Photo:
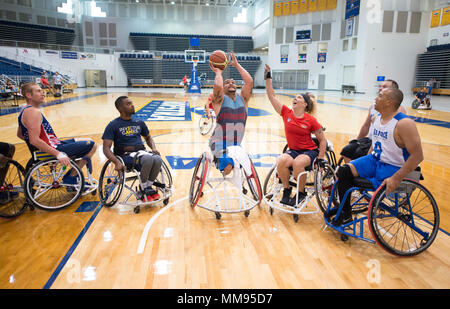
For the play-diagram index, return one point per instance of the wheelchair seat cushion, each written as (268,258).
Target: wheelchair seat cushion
(363,183)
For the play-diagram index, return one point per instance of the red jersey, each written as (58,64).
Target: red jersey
(298,130)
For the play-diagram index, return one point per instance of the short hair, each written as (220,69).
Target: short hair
(119,101)
(27,88)
(394,83)
(395,95)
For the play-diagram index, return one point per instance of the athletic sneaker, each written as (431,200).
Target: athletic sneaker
(151,194)
(301,197)
(286,196)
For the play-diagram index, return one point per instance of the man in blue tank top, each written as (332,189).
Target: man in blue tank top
(395,152)
(231,110)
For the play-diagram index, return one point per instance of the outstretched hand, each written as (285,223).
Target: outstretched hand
(234,61)
(214,69)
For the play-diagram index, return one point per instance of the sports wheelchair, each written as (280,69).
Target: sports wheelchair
(318,183)
(112,183)
(207,124)
(13,201)
(404,222)
(242,182)
(45,187)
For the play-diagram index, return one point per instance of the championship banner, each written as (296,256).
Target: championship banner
(277,10)
(303,6)
(322,5)
(294,7)
(286,8)
(445,16)
(331,4)
(435,18)
(312,5)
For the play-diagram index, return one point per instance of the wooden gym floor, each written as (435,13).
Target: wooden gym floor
(179,247)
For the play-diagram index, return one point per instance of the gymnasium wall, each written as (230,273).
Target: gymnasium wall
(379,51)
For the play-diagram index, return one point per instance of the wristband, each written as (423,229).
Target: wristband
(267,75)
(61,155)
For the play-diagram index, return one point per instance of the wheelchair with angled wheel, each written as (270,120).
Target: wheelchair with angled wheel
(319,181)
(238,193)
(112,183)
(13,201)
(206,124)
(45,185)
(404,222)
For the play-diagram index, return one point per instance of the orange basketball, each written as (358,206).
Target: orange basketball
(219,59)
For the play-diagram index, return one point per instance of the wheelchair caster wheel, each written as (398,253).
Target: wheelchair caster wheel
(166,201)
(137,209)
(201,194)
(244,191)
(30,206)
(94,193)
(271,211)
(344,237)
(218,215)
(247,213)
(296,218)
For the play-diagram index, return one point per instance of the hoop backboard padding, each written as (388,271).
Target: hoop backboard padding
(190,55)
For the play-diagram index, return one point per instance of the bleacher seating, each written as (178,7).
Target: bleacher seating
(13,68)
(15,31)
(435,63)
(180,42)
(170,69)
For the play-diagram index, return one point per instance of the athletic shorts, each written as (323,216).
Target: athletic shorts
(5,149)
(312,154)
(375,171)
(75,149)
(58,86)
(223,161)
(134,161)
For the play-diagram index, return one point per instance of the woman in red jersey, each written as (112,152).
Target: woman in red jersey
(298,127)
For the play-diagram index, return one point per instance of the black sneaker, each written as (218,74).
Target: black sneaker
(286,196)
(342,220)
(301,197)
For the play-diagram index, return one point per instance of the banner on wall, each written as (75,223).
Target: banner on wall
(286,8)
(349,27)
(277,10)
(69,55)
(294,7)
(331,4)
(284,53)
(435,18)
(86,56)
(322,5)
(352,8)
(312,5)
(301,58)
(303,6)
(322,57)
(303,36)
(445,16)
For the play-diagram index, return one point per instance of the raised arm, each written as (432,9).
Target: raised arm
(247,89)
(218,94)
(270,92)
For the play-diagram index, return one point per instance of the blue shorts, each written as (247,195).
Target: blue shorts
(374,170)
(223,161)
(75,149)
(312,154)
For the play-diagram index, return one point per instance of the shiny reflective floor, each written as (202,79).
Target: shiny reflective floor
(175,246)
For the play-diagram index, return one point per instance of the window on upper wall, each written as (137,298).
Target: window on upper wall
(354,43)
(345,45)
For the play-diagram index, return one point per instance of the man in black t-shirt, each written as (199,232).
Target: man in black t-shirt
(125,132)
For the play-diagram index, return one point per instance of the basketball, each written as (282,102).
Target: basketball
(219,59)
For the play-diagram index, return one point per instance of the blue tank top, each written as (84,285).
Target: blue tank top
(230,127)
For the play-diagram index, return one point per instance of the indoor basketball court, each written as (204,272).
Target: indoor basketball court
(209,230)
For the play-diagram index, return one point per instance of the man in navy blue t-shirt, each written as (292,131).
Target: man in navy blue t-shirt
(125,132)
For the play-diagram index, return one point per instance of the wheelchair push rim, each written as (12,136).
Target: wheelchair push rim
(205,124)
(198,179)
(45,188)
(110,184)
(406,222)
(13,200)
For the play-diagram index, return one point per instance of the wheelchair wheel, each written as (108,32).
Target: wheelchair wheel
(110,184)
(13,201)
(46,189)
(254,184)
(269,183)
(205,125)
(405,222)
(324,179)
(198,179)
(415,104)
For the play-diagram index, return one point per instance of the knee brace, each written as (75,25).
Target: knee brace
(344,173)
